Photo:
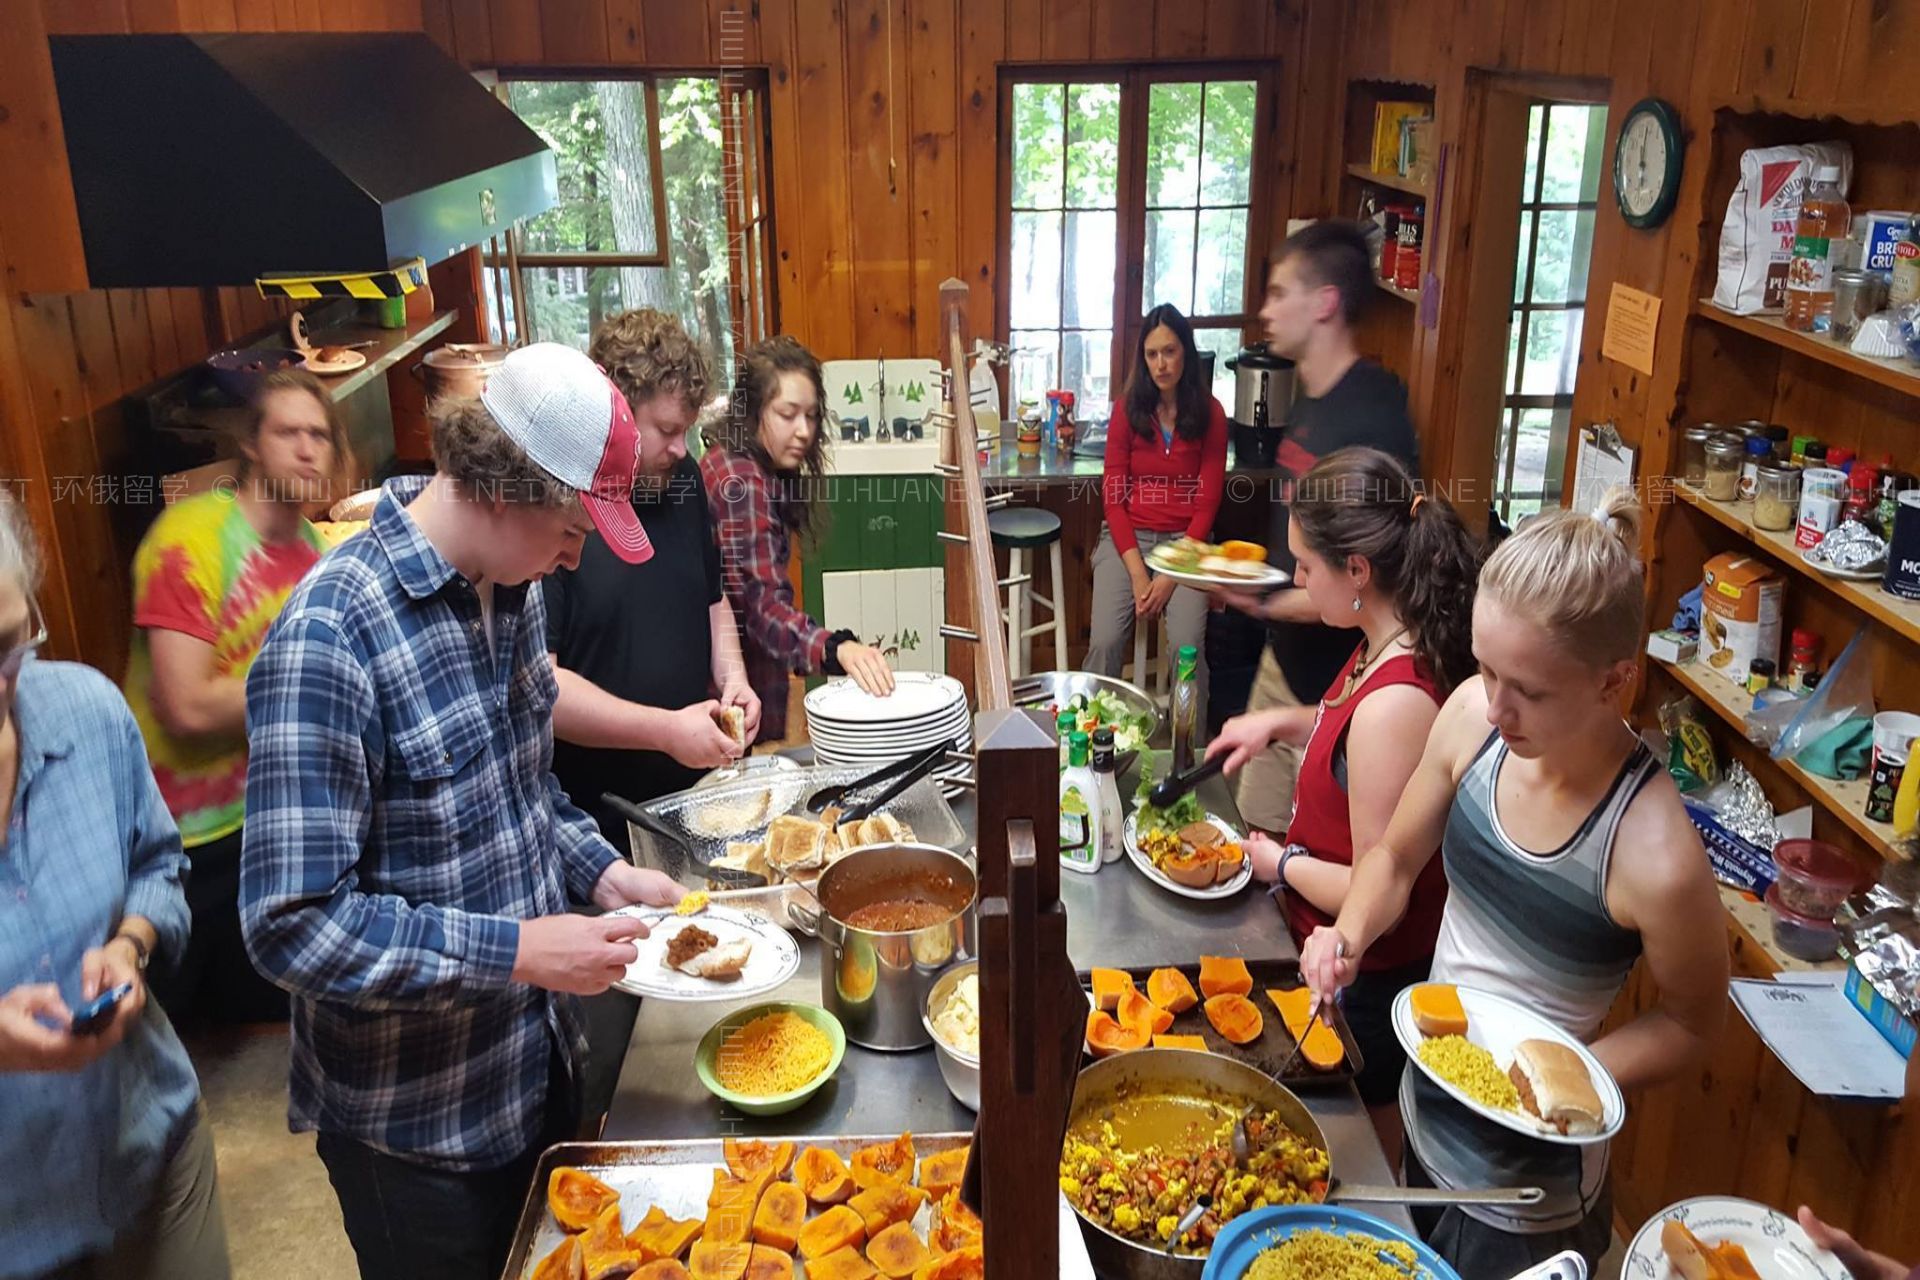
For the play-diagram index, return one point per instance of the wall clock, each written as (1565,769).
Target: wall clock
(1646,163)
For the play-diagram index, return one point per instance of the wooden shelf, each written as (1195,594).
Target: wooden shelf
(1901,616)
(1847,801)
(390,346)
(1405,295)
(1393,181)
(1755,919)
(1901,375)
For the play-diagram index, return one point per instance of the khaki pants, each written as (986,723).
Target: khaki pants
(1265,793)
(1113,620)
(181,1234)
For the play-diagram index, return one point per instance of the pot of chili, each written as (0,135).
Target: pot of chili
(890,919)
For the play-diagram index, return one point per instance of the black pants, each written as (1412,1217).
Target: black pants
(1475,1249)
(215,980)
(408,1221)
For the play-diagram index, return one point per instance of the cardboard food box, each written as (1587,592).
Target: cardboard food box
(1387,117)
(1739,614)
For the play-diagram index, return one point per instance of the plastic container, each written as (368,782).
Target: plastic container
(1814,877)
(1802,937)
(1824,218)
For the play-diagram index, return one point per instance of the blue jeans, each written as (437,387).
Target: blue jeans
(410,1221)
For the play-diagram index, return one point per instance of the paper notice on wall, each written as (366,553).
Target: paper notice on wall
(1632,317)
(1811,1026)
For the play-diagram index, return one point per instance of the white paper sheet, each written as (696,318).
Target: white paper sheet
(1808,1023)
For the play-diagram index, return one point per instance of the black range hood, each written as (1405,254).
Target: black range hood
(216,159)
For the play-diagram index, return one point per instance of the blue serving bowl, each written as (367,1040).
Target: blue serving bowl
(234,372)
(1250,1234)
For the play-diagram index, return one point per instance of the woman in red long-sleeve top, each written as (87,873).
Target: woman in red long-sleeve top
(1166,469)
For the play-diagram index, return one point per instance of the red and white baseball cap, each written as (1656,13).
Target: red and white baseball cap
(573,422)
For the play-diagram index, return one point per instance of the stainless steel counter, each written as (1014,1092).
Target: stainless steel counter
(1113,917)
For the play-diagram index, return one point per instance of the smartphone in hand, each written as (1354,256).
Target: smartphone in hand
(91,1018)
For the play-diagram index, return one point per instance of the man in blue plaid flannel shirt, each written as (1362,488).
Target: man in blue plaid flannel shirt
(409,859)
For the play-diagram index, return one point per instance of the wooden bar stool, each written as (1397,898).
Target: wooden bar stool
(1021,530)
(1145,676)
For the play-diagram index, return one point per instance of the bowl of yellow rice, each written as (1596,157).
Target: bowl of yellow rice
(1320,1242)
(770,1058)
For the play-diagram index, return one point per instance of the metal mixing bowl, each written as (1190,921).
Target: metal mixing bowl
(959,1069)
(1058,686)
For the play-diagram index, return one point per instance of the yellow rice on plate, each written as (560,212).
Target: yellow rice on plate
(773,1054)
(1322,1255)
(1471,1069)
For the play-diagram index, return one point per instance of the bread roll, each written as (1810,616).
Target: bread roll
(1554,1085)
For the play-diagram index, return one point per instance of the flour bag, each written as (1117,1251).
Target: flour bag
(1756,241)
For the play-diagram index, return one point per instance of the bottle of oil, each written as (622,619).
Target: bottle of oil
(1824,218)
(1186,708)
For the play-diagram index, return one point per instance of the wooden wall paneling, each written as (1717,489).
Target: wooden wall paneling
(982,43)
(878,179)
(26,474)
(85,17)
(573,33)
(1311,61)
(38,221)
(190,325)
(1773,45)
(472,31)
(735,32)
(1179,29)
(1237,28)
(1066,32)
(1025,30)
(132,336)
(255,15)
(90,330)
(626,31)
(1585,51)
(1892,49)
(436,19)
(210,15)
(826,274)
(1546,29)
(1827,30)
(784,159)
(154,16)
(165,333)
(1890,1217)
(934,175)
(515,25)
(1122,31)
(306,14)
(677,30)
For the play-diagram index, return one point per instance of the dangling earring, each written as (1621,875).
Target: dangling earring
(1356,604)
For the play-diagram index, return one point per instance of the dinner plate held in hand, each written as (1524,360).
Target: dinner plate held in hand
(1775,1244)
(1497,1024)
(774,959)
(1267,577)
(1129,839)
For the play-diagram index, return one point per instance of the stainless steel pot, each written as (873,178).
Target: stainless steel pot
(876,983)
(1237,1086)
(1262,387)
(458,370)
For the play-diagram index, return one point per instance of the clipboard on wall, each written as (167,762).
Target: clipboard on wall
(1602,462)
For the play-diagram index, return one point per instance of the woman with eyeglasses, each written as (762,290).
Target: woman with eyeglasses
(103,1110)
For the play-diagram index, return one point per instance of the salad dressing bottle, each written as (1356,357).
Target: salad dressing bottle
(1186,708)
(1079,812)
(1113,814)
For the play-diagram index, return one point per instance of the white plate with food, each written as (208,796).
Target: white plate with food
(331,361)
(1671,1243)
(1230,565)
(1564,1079)
(1831,570)
(1192,861)
(732,956)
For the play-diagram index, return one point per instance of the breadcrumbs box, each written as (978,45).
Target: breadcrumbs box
(1739,614)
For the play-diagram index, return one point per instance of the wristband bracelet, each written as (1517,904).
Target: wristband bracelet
(1291,852)
(141,956)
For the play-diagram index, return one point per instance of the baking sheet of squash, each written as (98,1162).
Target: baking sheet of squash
(1269,1050)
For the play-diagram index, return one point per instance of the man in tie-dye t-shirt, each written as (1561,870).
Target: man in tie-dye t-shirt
(210,577)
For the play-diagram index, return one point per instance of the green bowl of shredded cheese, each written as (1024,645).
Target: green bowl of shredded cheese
(768,1059)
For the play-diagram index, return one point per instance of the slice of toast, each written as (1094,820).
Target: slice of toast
(795,843)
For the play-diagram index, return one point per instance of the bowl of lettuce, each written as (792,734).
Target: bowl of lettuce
(1101,701)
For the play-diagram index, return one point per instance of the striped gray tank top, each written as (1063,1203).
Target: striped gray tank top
(1535,929)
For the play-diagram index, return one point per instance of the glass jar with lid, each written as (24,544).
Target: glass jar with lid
(1759,450)
(1693,454)
(1725,453)
(1776,495)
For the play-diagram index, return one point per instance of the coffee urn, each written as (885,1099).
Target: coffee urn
(1262,396)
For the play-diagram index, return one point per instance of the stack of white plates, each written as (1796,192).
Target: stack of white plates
(851,727)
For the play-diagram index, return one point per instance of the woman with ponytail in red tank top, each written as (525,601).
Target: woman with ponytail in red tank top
(1377,556)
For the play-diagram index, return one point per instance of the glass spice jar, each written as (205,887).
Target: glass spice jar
(1776,496)
(1759,676)
(1693,454)
(1724,456)
(1803,659)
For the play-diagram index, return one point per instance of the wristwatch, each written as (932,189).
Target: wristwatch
(1287,855)
(140,953)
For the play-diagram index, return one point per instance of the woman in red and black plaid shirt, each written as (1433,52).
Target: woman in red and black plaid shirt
(764,482)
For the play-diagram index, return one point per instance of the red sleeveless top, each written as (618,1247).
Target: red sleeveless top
(1320,821)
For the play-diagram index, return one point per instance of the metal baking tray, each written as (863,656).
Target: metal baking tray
(1269,1052)
(678,1176)
(684,832)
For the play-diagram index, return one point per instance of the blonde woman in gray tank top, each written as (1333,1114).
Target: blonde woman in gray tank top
(1569,856)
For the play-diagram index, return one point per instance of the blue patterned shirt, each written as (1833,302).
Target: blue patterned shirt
(90,843)
(402,819)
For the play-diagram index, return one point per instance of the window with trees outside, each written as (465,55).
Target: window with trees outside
(662,204)
(1562,184)
(1125,190)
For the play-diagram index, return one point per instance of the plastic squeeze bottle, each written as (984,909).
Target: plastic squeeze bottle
(1113,814)
(1079,791)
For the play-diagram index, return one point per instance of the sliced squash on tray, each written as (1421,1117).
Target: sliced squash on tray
(1235,1017)
(1169,989)
(1224,975)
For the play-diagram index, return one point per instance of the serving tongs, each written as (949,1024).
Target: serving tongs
(903,772)
(1168,790)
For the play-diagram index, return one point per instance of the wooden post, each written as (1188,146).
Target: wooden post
(1031,1002)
